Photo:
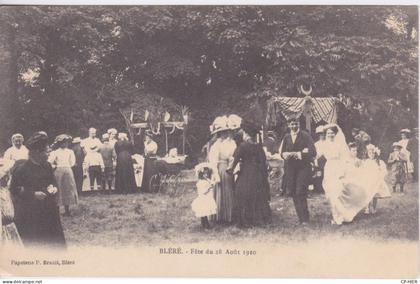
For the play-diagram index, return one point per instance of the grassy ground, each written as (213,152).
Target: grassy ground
(150,219)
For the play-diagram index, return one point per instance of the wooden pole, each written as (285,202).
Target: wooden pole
(183,140)
(166,140)
(308,122)
(307,112)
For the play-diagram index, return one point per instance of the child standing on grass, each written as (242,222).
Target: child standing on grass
(205,205)
(398,164)
(376,172)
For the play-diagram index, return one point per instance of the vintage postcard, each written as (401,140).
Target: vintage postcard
(209,141)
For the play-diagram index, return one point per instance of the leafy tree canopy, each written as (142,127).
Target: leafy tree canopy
(68,68)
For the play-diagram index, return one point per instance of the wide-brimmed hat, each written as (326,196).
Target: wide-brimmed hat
(397,144)
(38,141)
(219,124)
(234,122)
(62,138)
(319,129)
(405,130)
(200,167)
(17,136)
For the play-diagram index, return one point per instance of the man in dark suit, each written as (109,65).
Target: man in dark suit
(298,151)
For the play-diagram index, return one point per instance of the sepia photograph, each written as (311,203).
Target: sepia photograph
(209,141)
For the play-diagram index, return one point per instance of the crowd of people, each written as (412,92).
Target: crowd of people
(351,174)
(37,179)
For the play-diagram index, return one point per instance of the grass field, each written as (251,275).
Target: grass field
(150,219)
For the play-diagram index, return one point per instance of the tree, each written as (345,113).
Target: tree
(76,67)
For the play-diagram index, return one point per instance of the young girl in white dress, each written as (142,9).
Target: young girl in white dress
(376,177)
(205,205)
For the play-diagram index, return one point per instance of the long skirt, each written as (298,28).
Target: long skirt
(38,223)
(224,195)
(78,177)
(252,194)
(150,170)
(10,235)
(67,190)
(125,181)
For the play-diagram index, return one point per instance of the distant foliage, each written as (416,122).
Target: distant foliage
(78,66)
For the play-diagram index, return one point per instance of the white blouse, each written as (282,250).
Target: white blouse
(222,151)
(16,154)
(62,158)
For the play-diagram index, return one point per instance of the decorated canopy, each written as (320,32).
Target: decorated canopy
(319,108)
(159,116)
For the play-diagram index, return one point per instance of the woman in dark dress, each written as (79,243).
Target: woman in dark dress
(125,181)
(252,191)
(150,162)
(33,187)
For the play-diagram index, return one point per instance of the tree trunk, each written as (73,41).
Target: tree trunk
(8,77)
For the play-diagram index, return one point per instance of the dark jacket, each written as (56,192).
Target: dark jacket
(303,140)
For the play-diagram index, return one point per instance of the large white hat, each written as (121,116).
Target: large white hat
(122,136)
(220,123)
(405,130)
(234,121)
(112,131)
(199,168)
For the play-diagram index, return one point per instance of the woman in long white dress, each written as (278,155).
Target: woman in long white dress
(344,183)
(221,157)
(62,160)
